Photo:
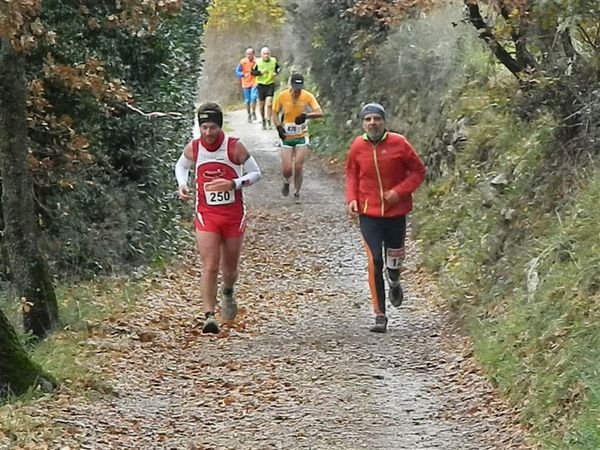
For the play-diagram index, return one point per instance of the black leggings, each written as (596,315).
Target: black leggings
(381,233)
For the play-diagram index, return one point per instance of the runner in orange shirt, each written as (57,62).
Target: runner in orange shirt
(244,72)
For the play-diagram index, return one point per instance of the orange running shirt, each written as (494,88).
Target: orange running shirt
(292,107)
(245,67)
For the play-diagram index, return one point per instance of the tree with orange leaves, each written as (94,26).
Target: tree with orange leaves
(29,270)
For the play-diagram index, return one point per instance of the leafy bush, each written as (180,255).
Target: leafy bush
(103,173)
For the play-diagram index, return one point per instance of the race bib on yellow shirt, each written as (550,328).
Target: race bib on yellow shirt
(293,129)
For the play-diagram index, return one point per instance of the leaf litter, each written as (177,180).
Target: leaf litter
(297,368)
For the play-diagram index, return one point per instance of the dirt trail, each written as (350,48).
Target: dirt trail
(298,369)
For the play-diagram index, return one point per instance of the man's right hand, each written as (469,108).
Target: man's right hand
(281,132)
(184,193)
(352,208)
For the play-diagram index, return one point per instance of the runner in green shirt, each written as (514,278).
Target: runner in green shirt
(266,70)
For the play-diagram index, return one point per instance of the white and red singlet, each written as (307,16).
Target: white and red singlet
(218,212)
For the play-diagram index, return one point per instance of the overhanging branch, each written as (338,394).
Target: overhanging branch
(487,34)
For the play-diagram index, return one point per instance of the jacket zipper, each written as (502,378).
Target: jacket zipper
(378,178)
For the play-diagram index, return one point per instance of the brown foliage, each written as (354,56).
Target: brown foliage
(391,12)
(88,78)
(19,24)
(136,15)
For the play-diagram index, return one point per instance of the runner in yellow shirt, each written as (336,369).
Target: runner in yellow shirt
(291,109)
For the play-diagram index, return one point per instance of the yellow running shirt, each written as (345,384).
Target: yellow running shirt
(291,108)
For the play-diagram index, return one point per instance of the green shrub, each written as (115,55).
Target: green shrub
(110,202)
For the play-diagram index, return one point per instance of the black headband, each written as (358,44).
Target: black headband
(211,116)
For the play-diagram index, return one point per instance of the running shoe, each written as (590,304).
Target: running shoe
(253,115)
(249,118)
(396,294)
(228,305)
(264,124)
(210,324)
(269,126)
(380,325)
(285,190)
(297,197)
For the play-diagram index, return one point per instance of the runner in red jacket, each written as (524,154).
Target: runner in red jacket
(382,172)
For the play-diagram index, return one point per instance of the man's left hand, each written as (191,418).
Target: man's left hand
(299,120)
(218,185)
(391,197)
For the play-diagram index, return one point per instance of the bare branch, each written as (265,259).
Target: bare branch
(567,44)
(487,34)
(586,37)
(154,114)
(518,33)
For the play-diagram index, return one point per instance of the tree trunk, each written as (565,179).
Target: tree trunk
(29,271)
(17,372)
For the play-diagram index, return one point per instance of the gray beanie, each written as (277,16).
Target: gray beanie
(372,108)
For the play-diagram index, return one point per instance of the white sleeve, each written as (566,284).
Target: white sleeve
(252,174)
(196,128)
(182,170)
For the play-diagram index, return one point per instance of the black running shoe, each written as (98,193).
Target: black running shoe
(380,325)
(285,190)
(210,325)
(396,294)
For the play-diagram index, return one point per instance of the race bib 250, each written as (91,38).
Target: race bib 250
(214,198)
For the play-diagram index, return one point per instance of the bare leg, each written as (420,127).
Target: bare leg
(261,108)
(269,108)
(286,163)
(209,249)
(230,257)
(299,157)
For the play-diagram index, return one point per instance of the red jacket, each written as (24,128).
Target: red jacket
(372,169)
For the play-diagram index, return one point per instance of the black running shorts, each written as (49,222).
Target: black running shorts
(265,90)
